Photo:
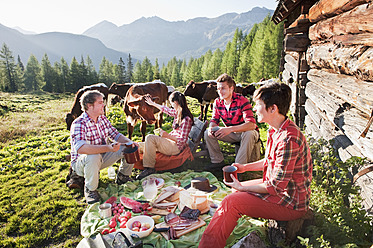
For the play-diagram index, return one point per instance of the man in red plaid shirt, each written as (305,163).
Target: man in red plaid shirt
(90,149)
(284,191)
(236,113)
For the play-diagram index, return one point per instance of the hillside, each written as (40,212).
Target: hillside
(57,45)
(157,38)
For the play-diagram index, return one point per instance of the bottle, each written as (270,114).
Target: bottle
(111,172)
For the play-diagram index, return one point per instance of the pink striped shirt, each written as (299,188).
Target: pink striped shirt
(181,132)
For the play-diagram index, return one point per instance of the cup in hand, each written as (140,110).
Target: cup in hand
(214,129)
(228,171)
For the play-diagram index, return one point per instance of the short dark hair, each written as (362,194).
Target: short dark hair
(89,97)
(226,78)
(275,93)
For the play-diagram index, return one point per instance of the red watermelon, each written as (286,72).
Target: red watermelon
(111,200)
(129,203)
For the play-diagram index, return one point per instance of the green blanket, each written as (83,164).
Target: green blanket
(92,223)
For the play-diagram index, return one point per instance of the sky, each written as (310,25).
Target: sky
(76,16)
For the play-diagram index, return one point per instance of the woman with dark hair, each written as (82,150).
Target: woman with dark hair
(168,143)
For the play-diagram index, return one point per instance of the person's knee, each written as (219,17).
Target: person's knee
(150,138)
(93,160)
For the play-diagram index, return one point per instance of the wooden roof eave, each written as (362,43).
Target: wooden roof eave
(283,10)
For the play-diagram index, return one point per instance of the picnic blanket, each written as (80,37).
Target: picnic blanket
(92,223)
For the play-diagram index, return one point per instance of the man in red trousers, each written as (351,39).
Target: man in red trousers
(284,191)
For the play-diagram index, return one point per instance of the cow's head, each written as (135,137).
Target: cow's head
(190,88)
(69,120)
(210,93)
(144,110)
(113,88)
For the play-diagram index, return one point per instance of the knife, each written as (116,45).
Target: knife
(161,229)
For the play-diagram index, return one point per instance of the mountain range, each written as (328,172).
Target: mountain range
(152,37)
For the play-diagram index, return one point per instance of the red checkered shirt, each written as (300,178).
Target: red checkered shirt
(240,111)
(182,131)
(287,168)
(85,131)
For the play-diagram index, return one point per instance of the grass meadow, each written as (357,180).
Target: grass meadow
(38,210)
(36,207)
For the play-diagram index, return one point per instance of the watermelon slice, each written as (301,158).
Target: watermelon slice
(111,200)
(129,203)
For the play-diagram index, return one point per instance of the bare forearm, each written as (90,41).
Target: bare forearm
(257,188)
(123,139)
(255,166)
(243,127)
(94,149)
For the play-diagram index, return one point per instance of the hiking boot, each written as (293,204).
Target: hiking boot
(91,196)
(148,171)
(122,179)
(215,166)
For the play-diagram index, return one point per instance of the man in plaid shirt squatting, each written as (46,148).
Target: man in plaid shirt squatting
(283,193)
(90,149)
(236,113)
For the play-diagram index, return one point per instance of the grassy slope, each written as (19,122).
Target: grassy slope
(36,208)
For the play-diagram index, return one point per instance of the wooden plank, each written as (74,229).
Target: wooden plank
(356,21)
(179,233)
(328,8)
(351,60)
(296,43)
(349,89)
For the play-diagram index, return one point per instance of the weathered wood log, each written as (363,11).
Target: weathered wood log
(351,60)
(286,77)
(291,60)
(292,70)
(346,118)
(352,124)
(318,126)
(365,39)
(329,8)
(356,21)
(296,43)
(354,91)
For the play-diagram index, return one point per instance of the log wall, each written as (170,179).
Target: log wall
(331,76)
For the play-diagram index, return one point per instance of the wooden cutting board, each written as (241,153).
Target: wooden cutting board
(159,211)
(179,233)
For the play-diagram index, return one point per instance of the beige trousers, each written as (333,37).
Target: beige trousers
(248,141)
(154,144)
(89,166)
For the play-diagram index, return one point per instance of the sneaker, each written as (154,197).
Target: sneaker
(215,166)
(91,196)
(148,171)
(122,179)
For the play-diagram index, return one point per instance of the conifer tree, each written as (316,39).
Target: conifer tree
(65,75)
(121,71)
(156,73)
(206,73)
(32,74)
(8,69)
(92,77)
(47,74)
(137,73)
(129,69)
(74,75)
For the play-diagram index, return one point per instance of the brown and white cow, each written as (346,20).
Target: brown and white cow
(197,90)
(76,110)
(136,109)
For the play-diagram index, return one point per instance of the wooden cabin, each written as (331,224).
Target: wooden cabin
(327,60)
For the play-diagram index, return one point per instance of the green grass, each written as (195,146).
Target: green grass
(38,210)
(36,207)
